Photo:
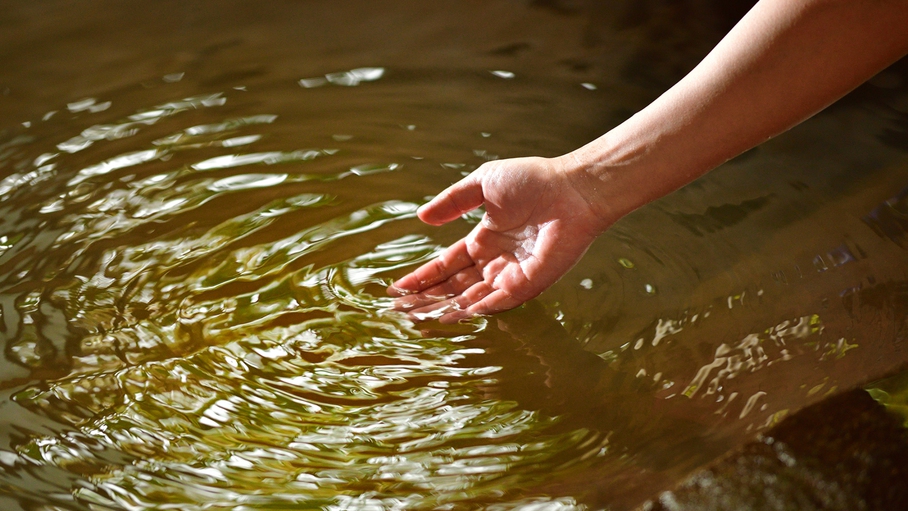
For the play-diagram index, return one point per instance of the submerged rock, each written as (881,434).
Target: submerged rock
(846,452)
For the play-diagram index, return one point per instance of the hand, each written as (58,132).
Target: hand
(536,226)
(542,214)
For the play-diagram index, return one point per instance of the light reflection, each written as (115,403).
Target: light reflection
(117,163)
(134,122)
(88,104)
(350,78)
(270,158)
(750,354)
(190,328)
(244,181)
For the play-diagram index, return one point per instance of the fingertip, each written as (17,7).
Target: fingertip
(394,290)
(401,287)
(421,210)
(453,202)
(425,214)
(432,214)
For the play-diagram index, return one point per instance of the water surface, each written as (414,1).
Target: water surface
(200,209)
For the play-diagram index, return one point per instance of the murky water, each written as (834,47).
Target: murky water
(200,209)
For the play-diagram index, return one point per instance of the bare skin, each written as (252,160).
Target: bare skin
(782,63)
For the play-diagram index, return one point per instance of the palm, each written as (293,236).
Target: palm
(535,229)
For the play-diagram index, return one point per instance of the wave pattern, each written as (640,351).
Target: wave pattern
(193,309)
(205,327)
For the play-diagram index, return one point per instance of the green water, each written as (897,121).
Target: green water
(200,210)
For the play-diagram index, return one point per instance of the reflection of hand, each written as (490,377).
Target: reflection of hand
(536,226)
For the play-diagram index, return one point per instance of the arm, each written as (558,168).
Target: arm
(783,62)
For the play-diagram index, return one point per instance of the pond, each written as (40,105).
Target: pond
(201,204)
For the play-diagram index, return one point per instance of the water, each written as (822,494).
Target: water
(201,209)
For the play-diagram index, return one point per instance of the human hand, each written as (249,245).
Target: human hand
(542,214)
(536,226)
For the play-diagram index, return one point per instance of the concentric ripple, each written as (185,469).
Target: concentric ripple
(193,308)
(200,322)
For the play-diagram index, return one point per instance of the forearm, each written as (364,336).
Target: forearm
(782,63)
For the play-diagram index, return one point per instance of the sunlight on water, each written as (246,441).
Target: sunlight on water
(203,346)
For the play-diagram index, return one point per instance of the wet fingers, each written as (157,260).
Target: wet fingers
(448,264)
(448,289)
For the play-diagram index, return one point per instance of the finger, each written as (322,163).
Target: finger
(442,309)
(456,200)
(451,260)
(492,303)
(499,301)
(465,301)
(433,311)
(454,286)
(409,303)
(457,284)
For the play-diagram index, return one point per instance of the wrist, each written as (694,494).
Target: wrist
(612,174)
(648,156)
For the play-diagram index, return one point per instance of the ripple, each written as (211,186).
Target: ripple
(207,326)
(192,300)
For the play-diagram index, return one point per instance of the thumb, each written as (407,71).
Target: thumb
(456,200)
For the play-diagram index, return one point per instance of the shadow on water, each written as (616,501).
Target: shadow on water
(201,206)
